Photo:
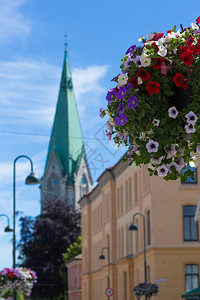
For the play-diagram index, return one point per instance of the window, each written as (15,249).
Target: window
(189,180)
(191,277)
(83,186)
(148,228)
(190,227)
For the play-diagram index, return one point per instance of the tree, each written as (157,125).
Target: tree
(73,249)
(42,243)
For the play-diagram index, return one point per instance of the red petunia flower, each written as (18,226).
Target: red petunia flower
(190,40)
(187,58)
(157,36)
(177,79)
(134,82)
(184,84)
(158,63)
(198,20)
(145,75)
(153,87)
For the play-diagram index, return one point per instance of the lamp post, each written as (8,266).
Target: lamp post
(7,228)
(135,227)
(103,257)
(30,179)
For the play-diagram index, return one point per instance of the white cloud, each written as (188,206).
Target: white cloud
(12,22)
(28,92)
(87,80)
(88,89)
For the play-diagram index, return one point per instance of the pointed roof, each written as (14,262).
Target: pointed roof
(66,136)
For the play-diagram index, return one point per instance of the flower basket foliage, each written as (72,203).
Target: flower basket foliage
(154,109)
(20,280)
(147,289)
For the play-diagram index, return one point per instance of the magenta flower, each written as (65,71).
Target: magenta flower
(108,134)
(132,102)
(101,113)
(152,146)
(120,120)
(172,112)
(121,93)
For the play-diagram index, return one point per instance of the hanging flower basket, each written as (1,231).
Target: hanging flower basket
(145,289)
(20,280)
(155,107)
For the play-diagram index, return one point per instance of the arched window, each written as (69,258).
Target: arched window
(83,186)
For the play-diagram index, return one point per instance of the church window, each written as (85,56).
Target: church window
(83,186)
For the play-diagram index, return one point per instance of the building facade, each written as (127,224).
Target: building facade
(74,267)
(66,175)
(171,234)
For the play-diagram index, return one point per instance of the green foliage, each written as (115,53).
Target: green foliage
(73,249)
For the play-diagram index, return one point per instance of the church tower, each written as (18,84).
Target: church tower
(66,175)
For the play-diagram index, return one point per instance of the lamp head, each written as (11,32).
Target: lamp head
(133,227)
(8,229)
(101,256)
(32,179)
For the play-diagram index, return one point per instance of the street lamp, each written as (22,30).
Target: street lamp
(31,179)
(135,227)
(103,257)
(7,228)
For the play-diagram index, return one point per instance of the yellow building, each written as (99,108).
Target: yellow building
(172,235)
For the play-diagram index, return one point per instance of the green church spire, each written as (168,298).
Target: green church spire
(66,137)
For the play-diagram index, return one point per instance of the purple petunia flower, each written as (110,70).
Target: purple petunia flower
(120,120)
(123,136)
(152,146)
(110,95)
(132,102)
(156,161)
(180,164)
(109,134)
(109,126)
(162,170)
(137,61)
(191,117)
(171,151)
(128,87)
(173,165)
(127,62)
(121,108)
(172,112)
(156,122)
(121,93)
(101,113)
(131,49)
(190,128)
(198,149)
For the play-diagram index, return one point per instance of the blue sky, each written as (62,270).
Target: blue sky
(31,57)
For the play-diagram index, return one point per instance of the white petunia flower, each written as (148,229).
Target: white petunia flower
(122,79)
(140,80)
(194,26)
(145,61)
(162,51)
